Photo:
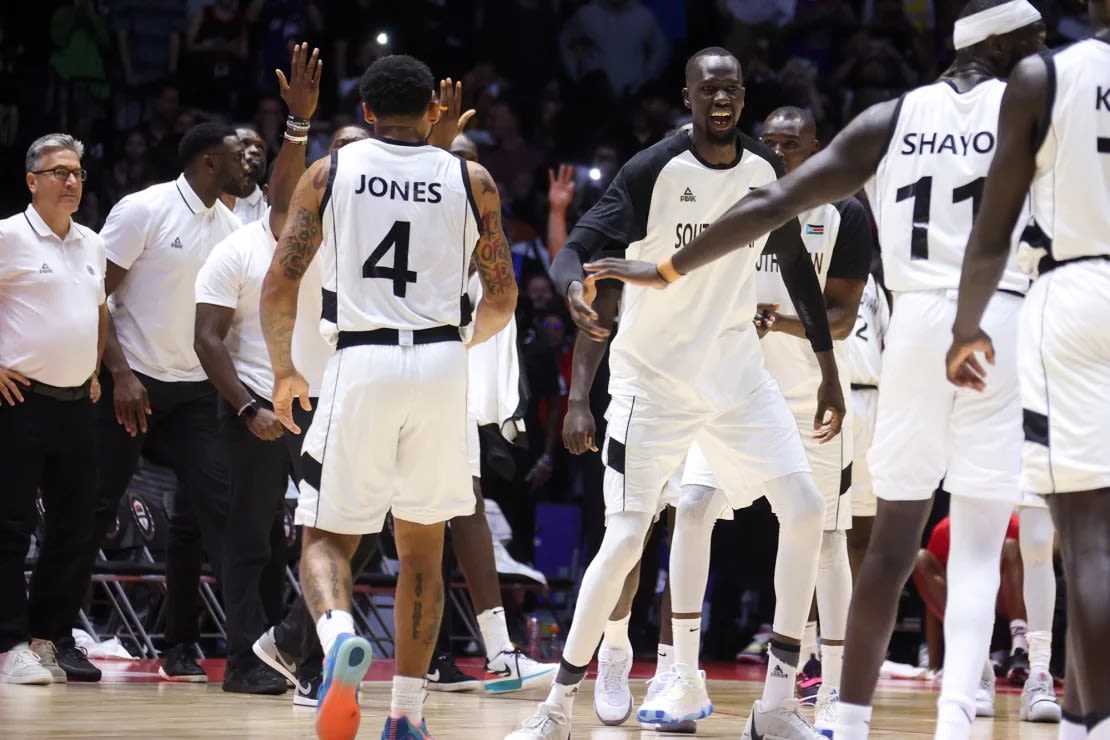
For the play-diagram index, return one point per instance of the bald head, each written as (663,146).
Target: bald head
(347,135)
(791,133)
(695,63)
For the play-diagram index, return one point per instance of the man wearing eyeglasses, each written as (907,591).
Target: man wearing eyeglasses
(159,401)
(52,321)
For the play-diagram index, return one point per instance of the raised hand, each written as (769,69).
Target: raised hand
(301,91)
(451,122)
(560,188)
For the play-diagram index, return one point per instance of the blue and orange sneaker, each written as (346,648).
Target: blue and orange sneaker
(338,714)
(400,728)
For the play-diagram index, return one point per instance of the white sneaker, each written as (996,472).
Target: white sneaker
(265,647)
(21,665)
(984,696)
(1038,699)
(48,658)
(548,723)
(683,697)
(612,694)
(656,686)
(783,722)
(517,671)
(828,703)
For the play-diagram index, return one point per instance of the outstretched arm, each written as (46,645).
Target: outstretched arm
(300,91)
(1020,131)
(493,259)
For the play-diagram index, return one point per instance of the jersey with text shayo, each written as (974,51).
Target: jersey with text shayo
(1071,188)
(400,225)
(929,185)
(695,339)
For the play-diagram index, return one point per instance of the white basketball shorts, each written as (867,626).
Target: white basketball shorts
(865,405)
(473,447)
(1065,380)
(927,429)
(751,442)
(389,433)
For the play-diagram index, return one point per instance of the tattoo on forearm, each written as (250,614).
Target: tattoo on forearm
(494,259)
(299,243)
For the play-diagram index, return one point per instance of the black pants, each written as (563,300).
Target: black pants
(182,435)
(47,444)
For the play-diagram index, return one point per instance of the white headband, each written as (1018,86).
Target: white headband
(994,21)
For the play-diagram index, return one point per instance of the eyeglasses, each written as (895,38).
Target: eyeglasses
(61,174)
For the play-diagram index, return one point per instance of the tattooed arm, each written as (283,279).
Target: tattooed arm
(298,244)
(494,261)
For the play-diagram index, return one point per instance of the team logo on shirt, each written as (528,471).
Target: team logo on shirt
(45,269)
(688,196)
(815,229)
(176,244)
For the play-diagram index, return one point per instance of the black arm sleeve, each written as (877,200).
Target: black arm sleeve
(802,283)
(851,255)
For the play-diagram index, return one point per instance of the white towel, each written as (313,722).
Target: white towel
(493,391)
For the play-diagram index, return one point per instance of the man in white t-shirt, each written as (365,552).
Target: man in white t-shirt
(162,403)
(52,317)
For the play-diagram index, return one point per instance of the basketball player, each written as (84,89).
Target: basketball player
(395,390)
(704,380)
(865,355)
(922,159)
(1055,135)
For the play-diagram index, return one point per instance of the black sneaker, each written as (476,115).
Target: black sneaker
(179,665)
(1017,675)
(444,675)
(304,695)
(75,662)
(809,681)
(251,677)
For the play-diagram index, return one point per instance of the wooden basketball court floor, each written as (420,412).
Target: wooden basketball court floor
(132,703)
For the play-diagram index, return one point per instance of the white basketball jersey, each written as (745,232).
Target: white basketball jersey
(400,225)
(865,345)
(929,185)
(1071,188)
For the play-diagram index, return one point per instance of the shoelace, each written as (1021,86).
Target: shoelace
(73,650)
(539,720)
(25,658)
(614,674)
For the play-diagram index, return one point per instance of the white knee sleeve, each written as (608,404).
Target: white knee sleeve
(834,585)
(1037,536)
(801,512)
(695,516)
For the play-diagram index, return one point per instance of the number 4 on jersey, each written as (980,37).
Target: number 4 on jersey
(400,274)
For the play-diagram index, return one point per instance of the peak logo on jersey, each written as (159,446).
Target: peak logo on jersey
(961,145)
(176,244)
(815,229)
(1102,102)
(688,196)
(417,192)
(45,269)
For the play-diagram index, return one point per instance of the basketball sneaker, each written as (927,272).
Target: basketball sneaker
(984,696)
(828,702)
(48,659)
(517,671)
(267,650)
(444,675)
(655,687)
(401,728)
(548,723)
(612,694)
(756,651)
(305,690)
(74,661)
(1038,699)
(1019,668)
(783,722)
(809,681)
(21,665)
(684,697)
(338,713)
(179,665)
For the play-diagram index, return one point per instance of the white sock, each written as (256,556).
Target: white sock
(333,624)
(809,642)
(616,635)
(1040,651)
(1019,628)
(978,531)
(832,665)
(1072,730)
(664,659)
(687,641)
(562,696)
(853,722)
(495,632)
(782,671)
(1101,731)
(407,698)
(953,723)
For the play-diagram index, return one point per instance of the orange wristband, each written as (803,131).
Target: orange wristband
(667,272)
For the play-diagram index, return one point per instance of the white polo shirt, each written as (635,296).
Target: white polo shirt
(51,290)
(162,236)
(253,207)
(232,277)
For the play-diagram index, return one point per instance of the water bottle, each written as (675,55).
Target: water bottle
(533,648)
